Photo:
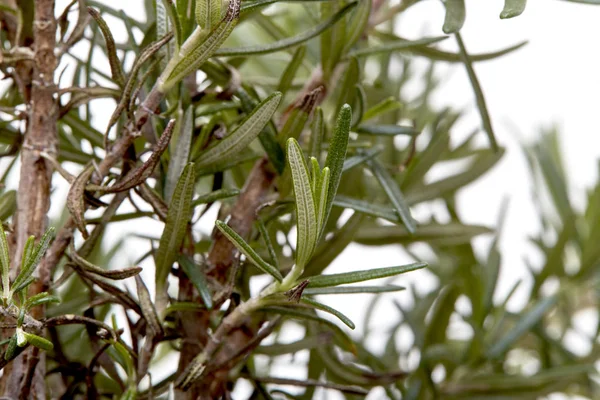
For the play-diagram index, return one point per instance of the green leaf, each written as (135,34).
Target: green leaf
(268,243)
(327,309)
(525,323)
(179,157)
(179,215)
(343,339)
(193,272)
(198,48)
(208,13)
(9,353)
(38,341)
(358,24)
(248,251)
(386,130)
(268,136)
(367,207)
(384,106)
(434,234)
(397,45)
(482,163)
(352,290)
(337,154)
(4,262)
(481,103)
(288,42)
(513,8)
(214,196)
(290,70)
(33,260)
(360,276)
(317,133)
(40,298)
(362,157)
(455,16)
(242,136)
(394,194)
(321,193)
(8,204)
(305,205)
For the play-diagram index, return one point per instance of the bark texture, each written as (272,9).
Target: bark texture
(24,378)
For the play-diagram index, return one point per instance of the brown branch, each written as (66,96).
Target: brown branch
(35,180)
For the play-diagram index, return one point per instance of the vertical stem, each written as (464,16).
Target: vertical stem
(35,182)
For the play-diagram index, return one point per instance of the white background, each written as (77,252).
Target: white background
(553,80)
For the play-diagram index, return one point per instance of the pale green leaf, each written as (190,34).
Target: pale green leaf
(179,157)
(178,217)
(455,16)
(288,42)
(361,276)
(242,136)
(248,251)
(394,194)
(305,206)
(513,8)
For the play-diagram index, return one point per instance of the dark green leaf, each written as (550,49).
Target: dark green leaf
(360,276)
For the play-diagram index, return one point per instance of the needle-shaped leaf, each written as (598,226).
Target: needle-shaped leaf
(527,321)
(327,309)
(393,46)
(288,42)
(384,106)
(366,207)
(352,289)
(111,48)
(243,135)
(361,276)
(390,186)
(38,341)
(208,13)
(198,48)
(38,299)
(290,71)
(337,155)
(361,157)
(455,16)
(8,204)
(180,154)
(4,261)
(248,251)
(179,215)
(305,205)
(386,130)
(214,196)
(317,133)
(294,125)
(193,272)
(513,8)
(268,243)
(76,199)
(322,190)
(33,260)
(481,103)
(434,234)
(358,24)
(268,136)
(343,340)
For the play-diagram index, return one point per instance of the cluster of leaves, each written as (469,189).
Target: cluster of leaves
(280,217)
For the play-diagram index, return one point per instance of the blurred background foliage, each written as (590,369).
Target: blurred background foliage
(457,341)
